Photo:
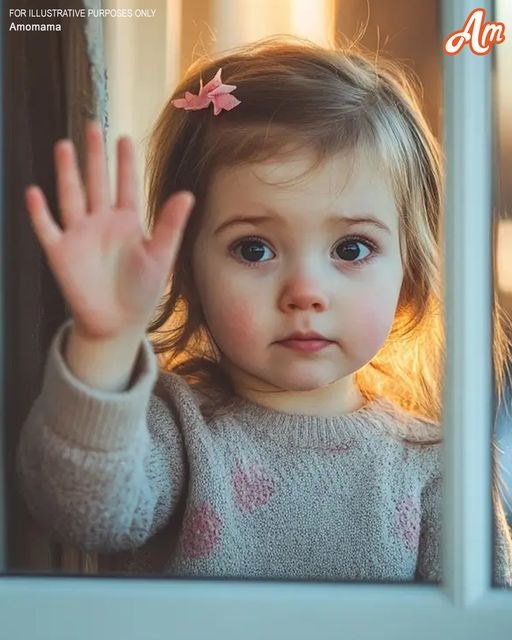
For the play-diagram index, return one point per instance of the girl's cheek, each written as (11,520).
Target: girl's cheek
(236,321)
(372,324)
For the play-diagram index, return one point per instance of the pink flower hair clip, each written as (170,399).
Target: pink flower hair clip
(215,91)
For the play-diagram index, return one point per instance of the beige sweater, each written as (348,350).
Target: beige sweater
(255,493)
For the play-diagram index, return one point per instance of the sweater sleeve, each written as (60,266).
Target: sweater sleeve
(429,552)
(100,470)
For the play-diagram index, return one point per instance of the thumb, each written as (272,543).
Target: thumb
(168,231)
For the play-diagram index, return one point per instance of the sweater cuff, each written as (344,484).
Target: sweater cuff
(93,418)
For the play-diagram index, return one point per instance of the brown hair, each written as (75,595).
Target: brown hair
(293,91)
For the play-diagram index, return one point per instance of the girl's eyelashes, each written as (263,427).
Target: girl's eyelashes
(254,250)
(348,247)
(251,249)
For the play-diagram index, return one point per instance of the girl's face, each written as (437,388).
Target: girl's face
(271,260)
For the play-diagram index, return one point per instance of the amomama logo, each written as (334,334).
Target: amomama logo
(479,34)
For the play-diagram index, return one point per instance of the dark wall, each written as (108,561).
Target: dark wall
(47,95)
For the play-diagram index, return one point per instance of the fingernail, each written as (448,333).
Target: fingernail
(190,198)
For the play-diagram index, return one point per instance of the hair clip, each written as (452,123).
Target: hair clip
(214,91)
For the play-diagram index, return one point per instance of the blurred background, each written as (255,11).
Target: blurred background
(503,170)
(122,71)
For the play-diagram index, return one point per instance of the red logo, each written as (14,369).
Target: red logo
(479,34)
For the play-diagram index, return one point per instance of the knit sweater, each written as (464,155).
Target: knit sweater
(254,493)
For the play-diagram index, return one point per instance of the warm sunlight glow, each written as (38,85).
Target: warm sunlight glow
(312,20)
(503,68)
(504,256)
(239,22)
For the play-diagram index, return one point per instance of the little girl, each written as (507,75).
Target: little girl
(294,430)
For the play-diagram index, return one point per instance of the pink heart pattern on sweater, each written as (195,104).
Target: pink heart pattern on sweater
(201,531)
(253,486)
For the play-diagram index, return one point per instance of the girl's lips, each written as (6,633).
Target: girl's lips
(308,346)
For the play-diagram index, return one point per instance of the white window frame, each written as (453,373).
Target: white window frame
(465,605)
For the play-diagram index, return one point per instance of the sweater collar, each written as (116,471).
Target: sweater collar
(376,416)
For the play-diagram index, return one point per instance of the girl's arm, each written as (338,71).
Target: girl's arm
(101,459)
(429,553)
(98,469)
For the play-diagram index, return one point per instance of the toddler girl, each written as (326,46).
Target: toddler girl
(293,429)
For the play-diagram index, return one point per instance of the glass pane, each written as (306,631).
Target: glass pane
(503,213)
(270,455)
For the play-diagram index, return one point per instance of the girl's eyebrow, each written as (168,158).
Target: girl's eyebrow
(348,220)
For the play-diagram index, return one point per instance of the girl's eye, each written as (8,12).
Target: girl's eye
(252,250)
(349,250)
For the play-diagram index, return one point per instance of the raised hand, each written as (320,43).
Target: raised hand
(110,273)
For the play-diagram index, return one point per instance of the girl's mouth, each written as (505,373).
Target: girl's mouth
(309,346)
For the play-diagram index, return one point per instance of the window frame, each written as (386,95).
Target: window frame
(465,605)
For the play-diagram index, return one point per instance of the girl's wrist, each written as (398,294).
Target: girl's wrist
(102,363)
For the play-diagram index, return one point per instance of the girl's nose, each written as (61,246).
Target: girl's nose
(303,294)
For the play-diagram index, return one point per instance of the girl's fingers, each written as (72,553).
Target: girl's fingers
(168,232)
(126,175)
(97,173)
(45,227)
(69,184)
